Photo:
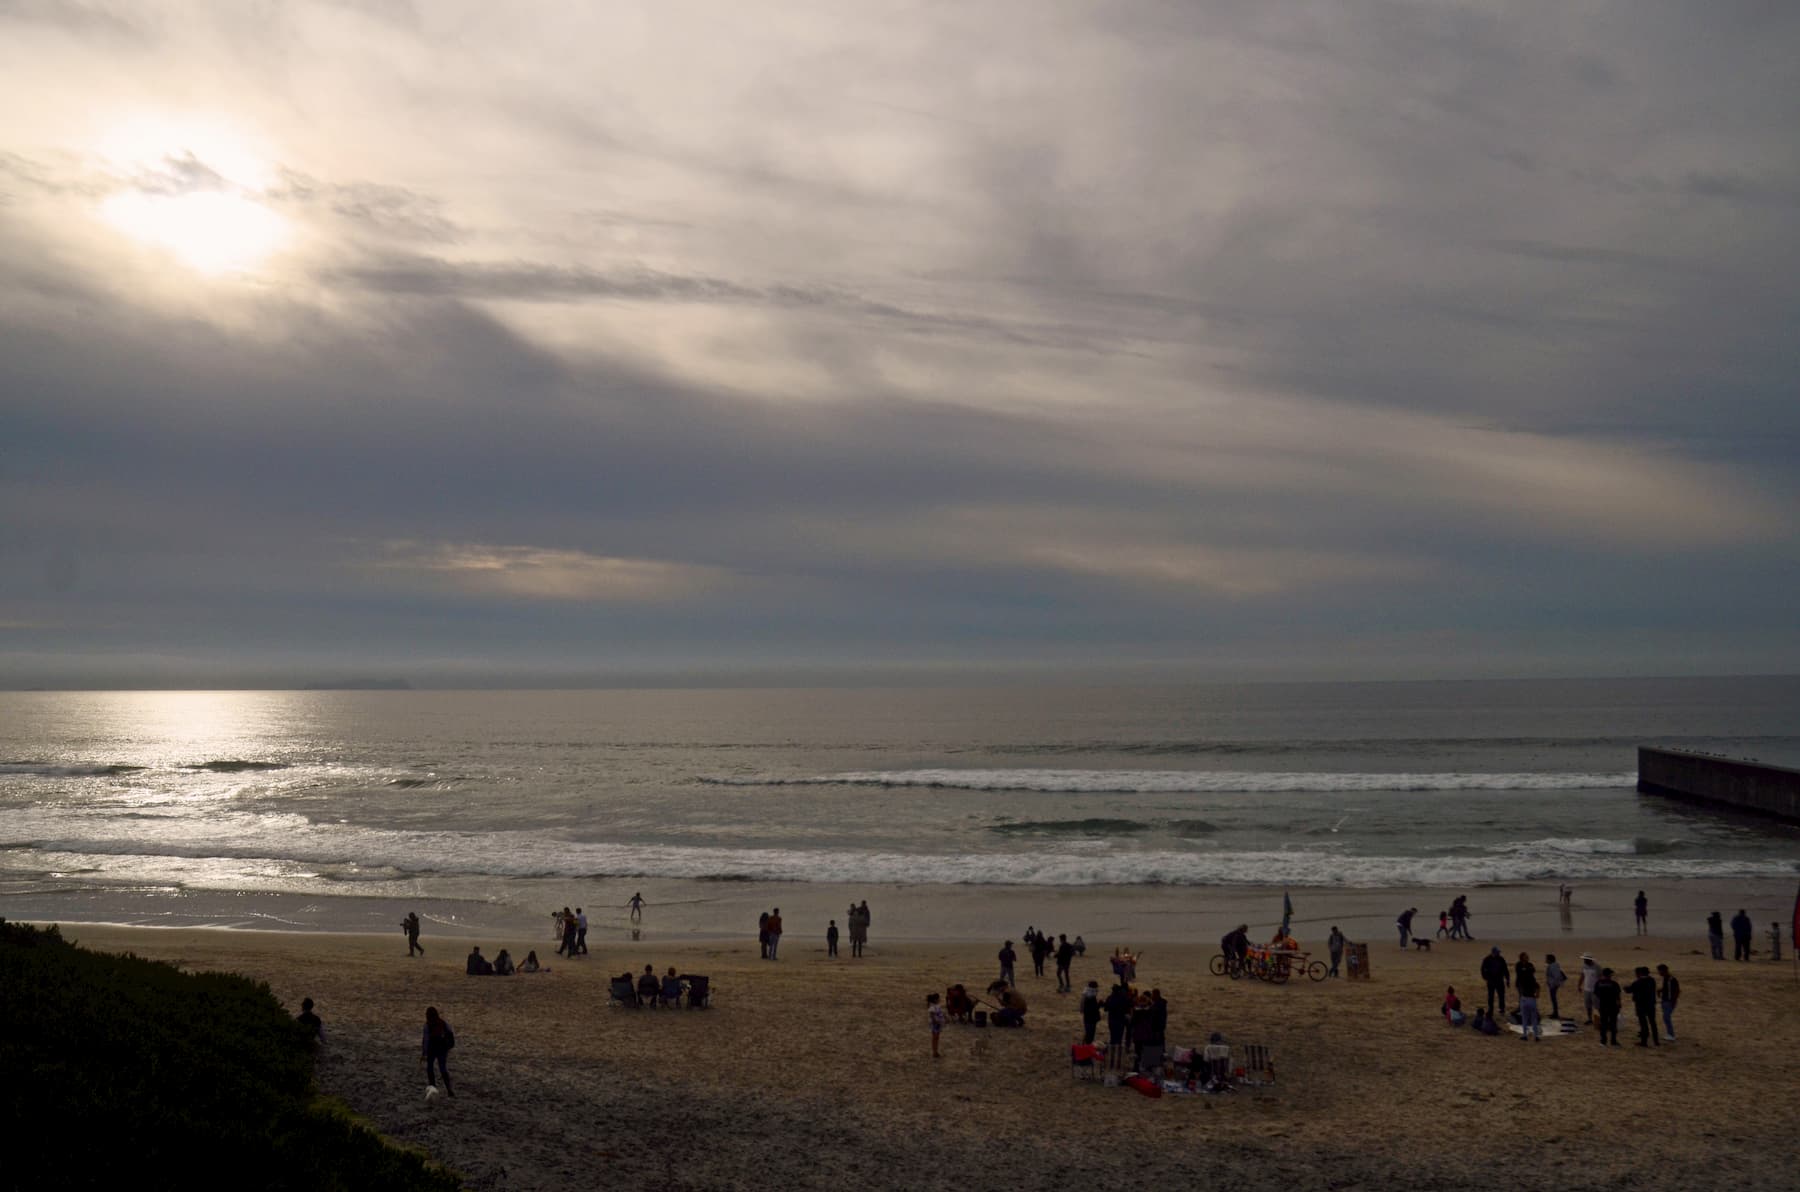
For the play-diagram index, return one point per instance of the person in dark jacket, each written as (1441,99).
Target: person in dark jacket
(1493,971)
(1525,983)
(436,1043)
(1090,1011)
(1669,994)
(1159,1019)
(1608,997)
(1643,1000)
(1404,923)
(1641,907)
(1065,956)
(1740,935)
(1715,934)
(1008,958)
(1236,944)
(1118,1014)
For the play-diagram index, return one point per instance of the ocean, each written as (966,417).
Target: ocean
(132,806)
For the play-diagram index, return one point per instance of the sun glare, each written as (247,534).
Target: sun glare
(211,231)
(192,188)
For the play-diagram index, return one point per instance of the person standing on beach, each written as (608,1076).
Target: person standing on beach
(1669,994)
(1090,1011)
(1118,1015)
(636,903)
(862,913)
(1608,997)
(1590,984)
(1335,942)
(437,1042)
(1715,934)
(935,1013)
(831,939)
(774,932)
(315,1028)
(762,935)
(859,931)
(1493,971)
(1065,956)
(581,931)
(1404,923)
(1525,982)
(1643,1000)
(567,947)
(410,925)
(1642,906)
(1007,959)
(1775,941)
(1740,935)
(1553,981)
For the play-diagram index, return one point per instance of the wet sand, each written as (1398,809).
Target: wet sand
(811,1072)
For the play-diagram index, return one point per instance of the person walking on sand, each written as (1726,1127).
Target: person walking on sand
(1493,971)
(1065,956)
(636,903)
(1404,923)
(1335,942)
(774,932)
(1443,931)
(935,1013)
(1090,1011)
(1590,982)
(581,931)
(1525,984)
(1668,995)
(1643,1000)
(436,1043)
(410,925)
(831,939)
(1553,981)
(1608,997)
(1641,906)
(1715,934)
(1008,958)
(569,927)
(1740,935)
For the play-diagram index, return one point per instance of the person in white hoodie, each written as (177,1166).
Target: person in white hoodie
(1590,979)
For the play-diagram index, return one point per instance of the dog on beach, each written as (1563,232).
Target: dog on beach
(1422,945)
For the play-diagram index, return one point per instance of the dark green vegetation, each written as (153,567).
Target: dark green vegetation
(128,1072)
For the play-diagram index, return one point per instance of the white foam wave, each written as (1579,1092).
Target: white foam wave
(250,851)
(1188,781)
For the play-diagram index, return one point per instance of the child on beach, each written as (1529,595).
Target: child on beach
(936,1013)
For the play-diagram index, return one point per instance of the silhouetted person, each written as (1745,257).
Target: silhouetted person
(1608,997)
(1715,934)
(1494,972)
(1643,1000)
(437,1042)
(315,1029)
(410,925)
(1740,935)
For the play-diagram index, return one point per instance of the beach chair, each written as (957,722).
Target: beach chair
(1215,1066)
(1086,1060)
(622,991)
(699,991)
(1258,1067)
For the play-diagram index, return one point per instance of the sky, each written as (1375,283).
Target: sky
(562,343)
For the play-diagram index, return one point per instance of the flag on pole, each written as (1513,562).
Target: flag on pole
(1287,911)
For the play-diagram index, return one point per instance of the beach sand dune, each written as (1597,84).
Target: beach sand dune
(816,1073)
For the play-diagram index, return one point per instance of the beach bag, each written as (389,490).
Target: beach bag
(449,1037)
(1145,1085)
(981,1018)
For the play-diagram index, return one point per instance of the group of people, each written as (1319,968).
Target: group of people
(502,965)
(1602,998)
(1742,931)
(653,991)
(571,928)
(1453,923)
(1042,947)
(858,919)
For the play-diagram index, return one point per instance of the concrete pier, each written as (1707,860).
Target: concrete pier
(1726,782)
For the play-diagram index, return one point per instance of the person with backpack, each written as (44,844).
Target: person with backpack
(438,1039)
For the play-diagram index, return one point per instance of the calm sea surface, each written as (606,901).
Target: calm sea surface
(483,794)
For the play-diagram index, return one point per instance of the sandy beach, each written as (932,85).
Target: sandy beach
(815,1072)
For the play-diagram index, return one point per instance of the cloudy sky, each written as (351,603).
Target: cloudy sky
(562,342)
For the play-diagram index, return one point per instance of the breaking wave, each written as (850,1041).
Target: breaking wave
(1186,781)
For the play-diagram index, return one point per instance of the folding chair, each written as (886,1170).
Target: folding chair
(622,991)
(1085,1060)
(699,991)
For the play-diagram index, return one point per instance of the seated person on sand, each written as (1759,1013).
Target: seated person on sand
(958,1004)
(1452,1008)
(648,987)
(1012,1009)
(531,964)
(503,964)
(672,988)
(1281,941)
(1484,1023)
(478,965)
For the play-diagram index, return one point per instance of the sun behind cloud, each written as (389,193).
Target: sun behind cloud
(210,231)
